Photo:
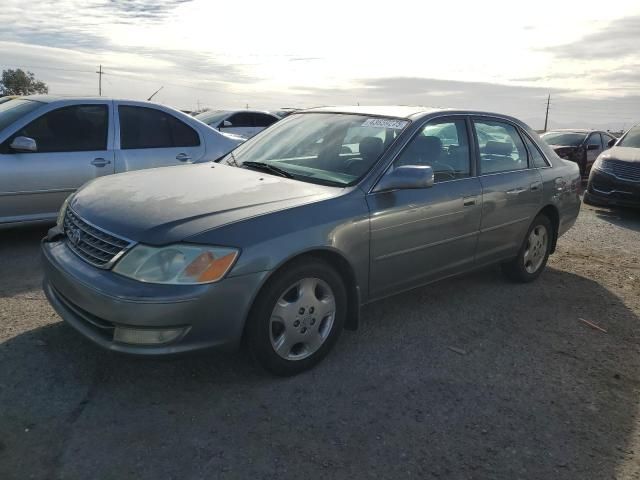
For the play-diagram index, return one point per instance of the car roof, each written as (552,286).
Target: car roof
(406,112)
(397,111)
(573,130)
(73,98)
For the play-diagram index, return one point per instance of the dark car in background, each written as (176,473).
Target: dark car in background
(580,146)
(615,176)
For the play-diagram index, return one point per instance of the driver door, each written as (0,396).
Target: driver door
(420,235)
(74,146)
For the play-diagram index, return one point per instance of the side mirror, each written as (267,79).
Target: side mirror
(593,147)
(407,177)
(612,142)
(225,124)
(24,144)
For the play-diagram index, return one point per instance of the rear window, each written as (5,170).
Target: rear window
(13,110)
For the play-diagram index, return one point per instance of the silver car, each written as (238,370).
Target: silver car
(283,240)
(245,123)
(50,146)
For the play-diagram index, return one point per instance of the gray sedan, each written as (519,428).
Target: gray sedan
(50,146)
(283,240)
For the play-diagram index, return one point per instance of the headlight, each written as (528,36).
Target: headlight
(62,211)
(177,264)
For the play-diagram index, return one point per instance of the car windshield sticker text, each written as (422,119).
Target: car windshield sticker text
(385,123)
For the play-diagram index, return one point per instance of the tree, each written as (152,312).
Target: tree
(19,82)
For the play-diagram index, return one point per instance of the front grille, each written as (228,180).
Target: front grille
(623,170)
(92,244)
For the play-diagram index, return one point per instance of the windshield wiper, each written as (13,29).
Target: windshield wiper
(266,167)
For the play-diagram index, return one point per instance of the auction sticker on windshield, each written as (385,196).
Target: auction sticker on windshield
(385,123)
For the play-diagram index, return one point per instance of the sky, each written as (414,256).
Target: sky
(501,56)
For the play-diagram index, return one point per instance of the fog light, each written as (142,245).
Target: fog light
(146,336)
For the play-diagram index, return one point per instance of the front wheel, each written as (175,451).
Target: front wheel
(297,317)
(534,252)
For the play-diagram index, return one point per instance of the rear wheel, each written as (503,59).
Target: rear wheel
(297,317)
(534,252)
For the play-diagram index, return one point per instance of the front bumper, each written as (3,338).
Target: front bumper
(606,189)
(96,301)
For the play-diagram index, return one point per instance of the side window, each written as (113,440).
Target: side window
(537,159)
(501,148)
(605,140)
(77,128)
(444,146)
(263,120)
(241,119)
(183,135)
(142,127)
(594,139)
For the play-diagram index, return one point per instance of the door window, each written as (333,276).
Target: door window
(241,119)
(501,148)
(263,120)
(142,127)
(537,159)
(77,128)
(594,139)
(606,139)
(444,146)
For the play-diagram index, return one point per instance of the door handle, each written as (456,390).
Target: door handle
(515,191)
(183,157)
(535,186)
(469,201)
(100,162)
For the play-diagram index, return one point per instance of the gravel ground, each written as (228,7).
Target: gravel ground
(529,391)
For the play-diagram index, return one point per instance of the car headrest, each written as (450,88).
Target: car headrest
(371,147)
(498,148)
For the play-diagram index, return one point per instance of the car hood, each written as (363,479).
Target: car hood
(626,154)
(166,205)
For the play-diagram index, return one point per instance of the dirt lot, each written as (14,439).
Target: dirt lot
(531,393)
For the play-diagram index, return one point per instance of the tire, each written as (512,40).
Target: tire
(534,252)
(284,331)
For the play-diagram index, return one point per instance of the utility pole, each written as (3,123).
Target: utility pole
(99,72)
(546,117)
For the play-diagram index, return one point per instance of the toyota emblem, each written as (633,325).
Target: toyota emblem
(75,235)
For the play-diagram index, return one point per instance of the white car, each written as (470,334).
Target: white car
(50,146)
(245,123)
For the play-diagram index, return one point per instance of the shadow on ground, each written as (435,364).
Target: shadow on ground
(533,393)
(20,267)
(619,216)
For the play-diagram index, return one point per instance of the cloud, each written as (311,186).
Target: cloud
(619,40)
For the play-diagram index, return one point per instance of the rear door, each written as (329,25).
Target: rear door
(419,235)
(151,137)
(594,148)
(511,189)
(74,145)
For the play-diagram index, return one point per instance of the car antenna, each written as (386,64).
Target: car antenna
(154,93)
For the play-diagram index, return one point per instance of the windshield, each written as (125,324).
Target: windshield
(631,138)
(212,117)
(569,139)
(324,148)
(14,109)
